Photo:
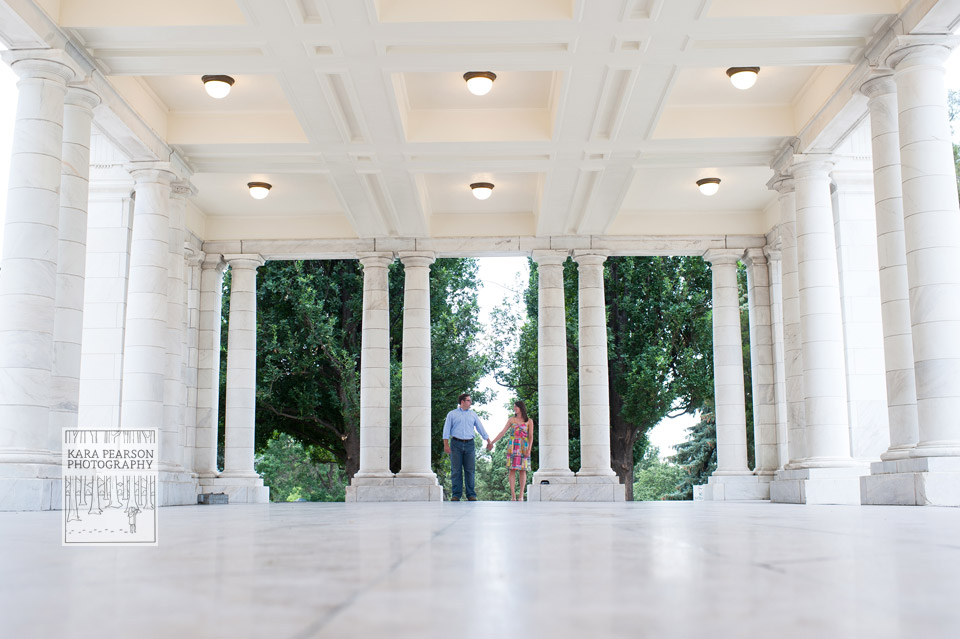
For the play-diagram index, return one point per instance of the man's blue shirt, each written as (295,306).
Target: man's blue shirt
(461,423)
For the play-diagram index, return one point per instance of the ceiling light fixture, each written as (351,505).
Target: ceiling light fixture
(217,86)
(709,186)
(259,190)
(743,77)
(482,190)
(479,82)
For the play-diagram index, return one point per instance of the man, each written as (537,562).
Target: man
(458,443)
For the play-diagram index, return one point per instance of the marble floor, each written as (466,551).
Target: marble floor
(464,570)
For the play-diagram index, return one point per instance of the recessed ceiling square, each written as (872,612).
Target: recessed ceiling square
(292,195)
(472,11)
(513,193)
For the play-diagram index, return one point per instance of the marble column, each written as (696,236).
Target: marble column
(892,256)
(193,259)
(792,351)
(375,373)
(145,339)
(416,477)
(241,404)
(208,365)
(728,364)
(762,362)
(594,379)
(71,261)
(554,439)
(775,269)
(29,467)
(826,434)
(174,390)
(932,241)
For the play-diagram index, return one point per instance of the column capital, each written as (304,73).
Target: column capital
(774,253)
(183,189)
(782,183)
(417,258)
(590,257)
(151,172)
(83,96)
(879,85)
(244,260)
(755,257)
(718,257)
(48,64)
(381,259)
(807,166)
(213,261)
(906,50)
(550,257)
(192,256)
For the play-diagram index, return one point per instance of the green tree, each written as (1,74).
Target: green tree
(294,472)
(655,480)
(698,454)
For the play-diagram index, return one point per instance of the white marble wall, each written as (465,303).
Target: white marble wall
(856,233)
(240,409)
(932,240)
(826,433)
(174,390)
(71,260)
(728,364)
(775,270)
(193,258)
(762,362)
(553,433)
(417,372)
(792,350)
(594,380)
(375,372)
(208,364)
(892,262)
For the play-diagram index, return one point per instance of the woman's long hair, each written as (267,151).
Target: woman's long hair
(523,409)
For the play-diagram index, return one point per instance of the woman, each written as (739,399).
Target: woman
(520,443)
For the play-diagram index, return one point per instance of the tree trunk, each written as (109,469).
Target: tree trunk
(352,445)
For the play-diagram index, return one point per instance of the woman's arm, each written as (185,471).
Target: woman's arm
(530,434)
(502,432)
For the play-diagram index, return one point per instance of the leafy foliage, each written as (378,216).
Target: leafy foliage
(698,454)
(655,480)
(294,472)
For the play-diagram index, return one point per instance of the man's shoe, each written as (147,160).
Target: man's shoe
(454,499)
(471,499)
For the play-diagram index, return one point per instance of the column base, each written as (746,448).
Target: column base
(734,488)
(409,487)
(923,481)
(818,486)
(240,490)
(576,488)
(177,488)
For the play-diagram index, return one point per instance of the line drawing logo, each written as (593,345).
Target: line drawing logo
(109,487)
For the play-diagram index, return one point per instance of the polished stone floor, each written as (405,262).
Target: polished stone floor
(464,570)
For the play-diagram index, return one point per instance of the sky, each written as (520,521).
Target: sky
(498,275)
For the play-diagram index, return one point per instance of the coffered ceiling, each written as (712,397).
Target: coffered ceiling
(603,115)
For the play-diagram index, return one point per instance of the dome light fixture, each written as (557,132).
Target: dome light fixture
(259,190)
(709,186)
(743,77)
(217,86)
(482,190)
(479,82)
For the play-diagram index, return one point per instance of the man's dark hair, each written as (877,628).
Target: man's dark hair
(463,397)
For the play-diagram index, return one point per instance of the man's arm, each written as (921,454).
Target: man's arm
(446,434)
(479,426)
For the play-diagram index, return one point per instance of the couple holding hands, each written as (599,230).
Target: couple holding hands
(458,432)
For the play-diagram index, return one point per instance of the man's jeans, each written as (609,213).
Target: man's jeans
(463,461)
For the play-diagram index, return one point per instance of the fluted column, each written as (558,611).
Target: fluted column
(208,364)
(826,434)
(28,283)
(552,367)
(892,254)
(241,400)
(762,362)
(728,364)
(932,241)
(71,261)
(145,338)
(416,375)
(775,269)
(792,351)
(375,370)
(594,380)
